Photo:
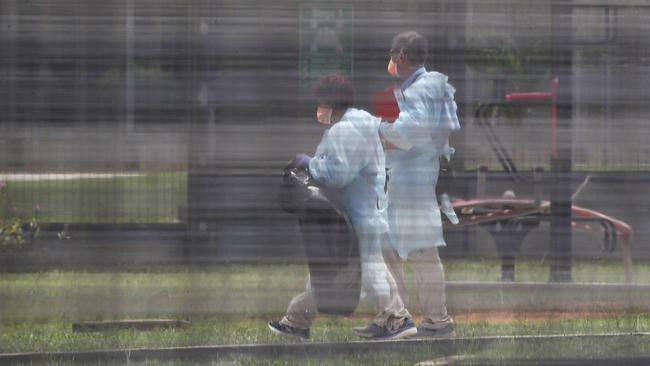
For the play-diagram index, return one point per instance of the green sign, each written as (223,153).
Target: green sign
(326,41)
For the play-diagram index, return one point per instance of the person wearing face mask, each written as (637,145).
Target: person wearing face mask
(415,142)
(350,159)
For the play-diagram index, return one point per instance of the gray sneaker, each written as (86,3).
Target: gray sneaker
(445,332)
(364,331)
(374,331)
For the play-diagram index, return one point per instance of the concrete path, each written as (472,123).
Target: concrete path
(438,348)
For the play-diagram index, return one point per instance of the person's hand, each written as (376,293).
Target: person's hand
(387,145)
(301,161)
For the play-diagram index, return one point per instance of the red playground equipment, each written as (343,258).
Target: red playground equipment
(508,219)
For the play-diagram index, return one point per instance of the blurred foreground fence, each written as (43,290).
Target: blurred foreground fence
(161,112)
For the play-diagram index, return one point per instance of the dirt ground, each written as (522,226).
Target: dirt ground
(504,317)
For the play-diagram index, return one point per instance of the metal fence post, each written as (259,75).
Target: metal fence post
(481,176)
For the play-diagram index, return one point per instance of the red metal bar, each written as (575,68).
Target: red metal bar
(554,86)
(541,96)
(513,97)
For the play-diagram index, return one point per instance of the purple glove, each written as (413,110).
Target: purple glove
(301,161)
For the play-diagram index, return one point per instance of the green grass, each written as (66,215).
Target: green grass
(242,289)
(146,198)
(535,270)
(229,289)
(57,336)
(231,304)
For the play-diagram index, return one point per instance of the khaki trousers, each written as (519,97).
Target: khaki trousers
(429,281)
(390,309)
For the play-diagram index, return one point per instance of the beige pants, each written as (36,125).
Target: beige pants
(429,281)
(390,308)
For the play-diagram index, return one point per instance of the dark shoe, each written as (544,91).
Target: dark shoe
(287,331)
(374,331)
(445,332)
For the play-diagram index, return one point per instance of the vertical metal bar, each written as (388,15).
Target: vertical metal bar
(11,64)
(481,176)
(129,65)
(560,247)
(538,181)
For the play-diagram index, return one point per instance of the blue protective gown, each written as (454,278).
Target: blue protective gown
(350,158)
(421,131)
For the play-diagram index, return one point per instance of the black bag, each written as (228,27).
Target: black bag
(330,243)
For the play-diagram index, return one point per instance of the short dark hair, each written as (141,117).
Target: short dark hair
(335,90)
(411,44)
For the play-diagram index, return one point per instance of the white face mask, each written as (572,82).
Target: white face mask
(324,115)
